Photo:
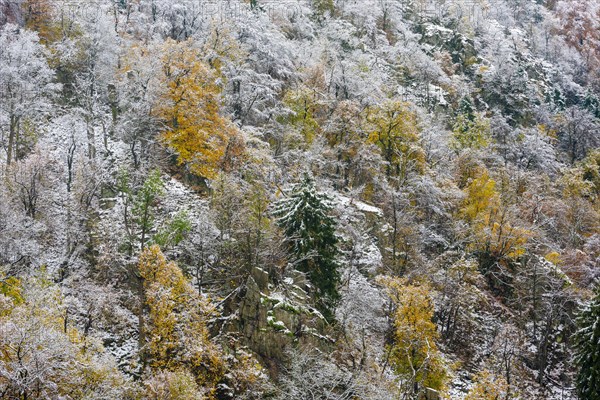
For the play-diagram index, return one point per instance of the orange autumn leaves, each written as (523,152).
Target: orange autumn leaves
(202,138)
(187,103)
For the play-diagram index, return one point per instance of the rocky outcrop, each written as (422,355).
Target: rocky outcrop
(275,319)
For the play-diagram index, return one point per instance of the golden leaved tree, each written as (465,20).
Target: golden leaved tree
(189,105)
(488,386)
(183,361)
(37,15)
(491,220)
(394,129)
(175,336)
(414,353)
(496,239)
(308,104)
(470,132)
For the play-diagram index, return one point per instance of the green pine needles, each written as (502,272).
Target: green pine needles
(310,234)
(587,354)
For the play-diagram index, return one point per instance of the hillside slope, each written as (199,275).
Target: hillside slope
(350,199)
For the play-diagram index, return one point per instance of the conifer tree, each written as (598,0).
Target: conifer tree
(592,104)
(310,233)
(466,108)
(587,355)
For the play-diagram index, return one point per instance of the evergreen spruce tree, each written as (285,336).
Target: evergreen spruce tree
(558,99)
(587,354)
(310,233)
(592,104)
(466,108)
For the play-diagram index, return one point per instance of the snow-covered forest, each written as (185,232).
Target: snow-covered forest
(299,199)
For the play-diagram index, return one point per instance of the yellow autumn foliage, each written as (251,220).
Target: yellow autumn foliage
(172,385)
(494,232)
(414,353)
(11,293)
(488,387)
(480,196)
(221,47)
(38,17)
(554,257)
(189,105)
(177,333)
(305,104)
(472,133)
(40,344)
(394,129)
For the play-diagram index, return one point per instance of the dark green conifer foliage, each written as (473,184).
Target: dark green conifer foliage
(310,234)
(587,354)
(592,104)
(466,108)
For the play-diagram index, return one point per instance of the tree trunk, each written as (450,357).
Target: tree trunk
(12,138)
(141,321)
(91,139)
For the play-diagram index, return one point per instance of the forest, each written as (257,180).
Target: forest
(300,199)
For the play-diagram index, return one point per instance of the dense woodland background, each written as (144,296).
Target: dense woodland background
(296,199)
